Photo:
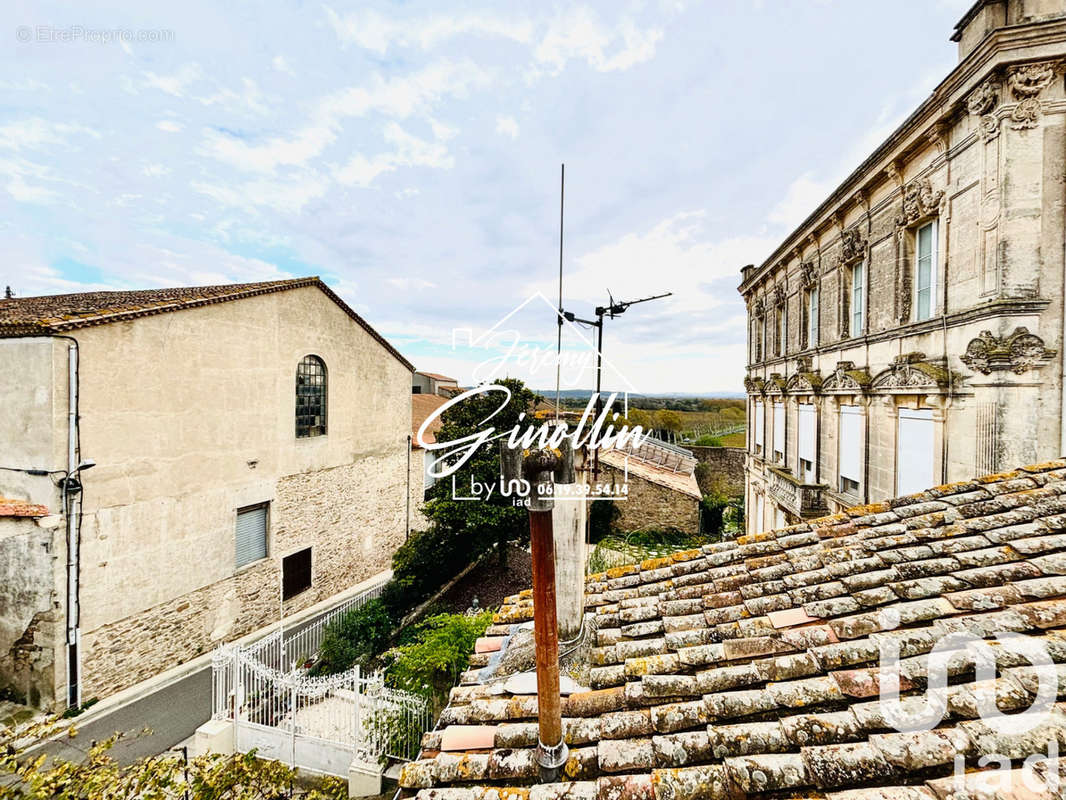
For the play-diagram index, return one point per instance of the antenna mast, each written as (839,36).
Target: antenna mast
(559,332)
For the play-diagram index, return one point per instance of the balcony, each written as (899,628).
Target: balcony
(802,499)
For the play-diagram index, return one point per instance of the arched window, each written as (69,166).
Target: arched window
(310,397)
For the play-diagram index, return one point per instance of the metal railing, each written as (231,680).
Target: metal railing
(295,645)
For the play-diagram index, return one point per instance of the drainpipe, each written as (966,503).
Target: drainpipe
(70,503)
(407,524)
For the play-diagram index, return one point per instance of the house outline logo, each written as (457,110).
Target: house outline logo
(485,340)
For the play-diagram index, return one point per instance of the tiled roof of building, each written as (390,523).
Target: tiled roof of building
(437,377)
(20,508)
(422,406)
(684,482)
(750,667)
(58,313)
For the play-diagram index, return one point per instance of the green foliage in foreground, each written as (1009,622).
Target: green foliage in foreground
(356,637)
(432,663)
(209,777)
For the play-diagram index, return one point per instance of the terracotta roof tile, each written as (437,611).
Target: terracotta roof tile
(57,313)
(755,668)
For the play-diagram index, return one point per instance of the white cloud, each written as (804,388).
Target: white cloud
(282,65)
(507,126)
(407,284)
(34,132)
(410,191)
(579,34)
(288,195)
(176,84)
(249,97)
(23,192)
(377,33)
(398,97)
(410,151)
(155,171)
(169,126)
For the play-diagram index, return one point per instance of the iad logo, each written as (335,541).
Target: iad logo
(957,652)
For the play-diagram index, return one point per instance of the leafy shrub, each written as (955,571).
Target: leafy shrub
(602,514)
(431,664)
(708,441)
(355,637)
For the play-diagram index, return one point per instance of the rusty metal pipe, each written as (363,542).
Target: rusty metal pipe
(546,635)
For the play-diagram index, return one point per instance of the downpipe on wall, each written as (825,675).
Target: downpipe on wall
(72,511)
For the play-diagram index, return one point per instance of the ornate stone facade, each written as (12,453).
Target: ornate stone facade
(958,222)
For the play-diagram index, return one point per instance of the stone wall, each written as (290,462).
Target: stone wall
(650,505)
(353,519)
(31,619)
(721,470)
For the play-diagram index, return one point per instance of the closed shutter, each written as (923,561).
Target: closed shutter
(428,460)
(806,432)
(914,445)
(779,428)
(760,418)
(758,514)
(251,534)
(851,443)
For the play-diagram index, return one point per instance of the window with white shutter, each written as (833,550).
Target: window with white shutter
(850,449)
(807,440)
(251,534)
(914,451)
(759,510)
(779,432)
(428,460)
(760,421)
(925,271)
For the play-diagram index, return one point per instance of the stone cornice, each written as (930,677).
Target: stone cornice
(1014,44)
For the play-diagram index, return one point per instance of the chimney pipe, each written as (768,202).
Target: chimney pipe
(539,468)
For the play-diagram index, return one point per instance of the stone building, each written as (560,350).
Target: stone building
(251,451)
(909,332)
(657,487)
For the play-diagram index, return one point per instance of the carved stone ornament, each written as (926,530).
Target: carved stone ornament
(989,127)
(1026,83)
(776,384)
(808,274)
(846,379)
(754,385)
(852,246)
(919,201)
(779,295)
(984,98)
(758,307)
(1030,80)
(911,373)
(1026,114)
(1018,352)
(804,383)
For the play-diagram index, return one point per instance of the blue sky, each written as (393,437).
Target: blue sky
(409,154)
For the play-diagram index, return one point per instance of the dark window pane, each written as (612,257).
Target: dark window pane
(295,573)
(310,397)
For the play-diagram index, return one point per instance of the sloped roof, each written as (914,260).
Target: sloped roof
(684,482)
(57,313)
(750,667)
(437,377)
(20,508)
(422,406)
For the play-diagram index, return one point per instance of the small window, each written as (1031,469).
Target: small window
(925,271)
(858,298)
(251,534)
(848,486)
(416,390)
(295,573)
(812,317)
(310,397)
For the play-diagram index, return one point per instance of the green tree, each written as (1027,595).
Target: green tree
(669,421)
(493,520)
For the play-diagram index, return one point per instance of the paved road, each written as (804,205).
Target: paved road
(173,714)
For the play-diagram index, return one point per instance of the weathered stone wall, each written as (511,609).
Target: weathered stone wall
(984,160)
(31,619)
(721,470)
(419,521)
(190,416)
(650,505)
